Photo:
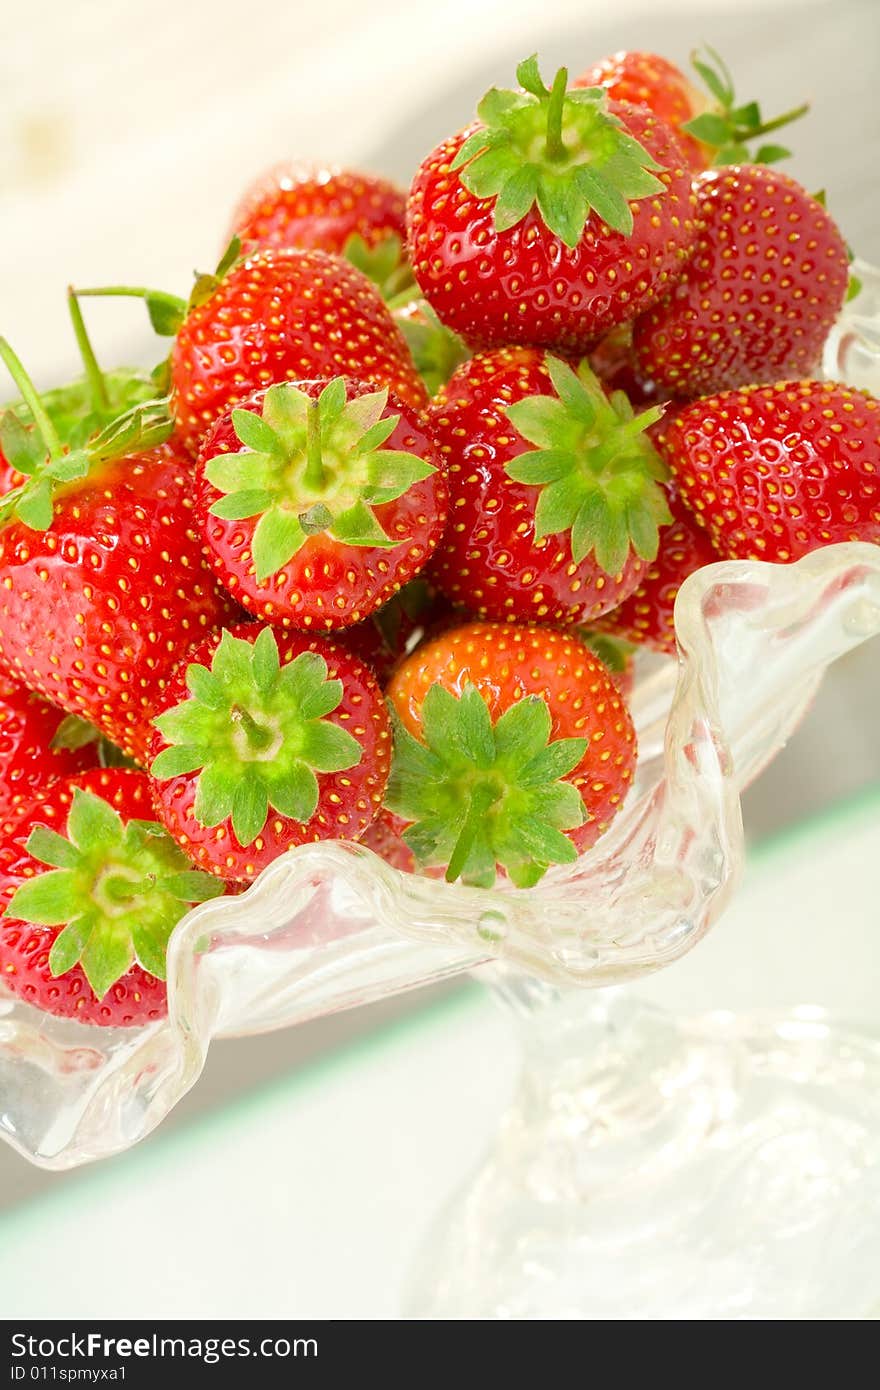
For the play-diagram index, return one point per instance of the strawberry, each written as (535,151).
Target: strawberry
(321,208)
(318,500)
(774,472)
(554,499)
(646,79)
(513,750)
(39,744)
(275,315)
(613,361)
(92,888)
(556,216)
(268,740)
(647,616)
(710,131)
(757,301)
(104,584)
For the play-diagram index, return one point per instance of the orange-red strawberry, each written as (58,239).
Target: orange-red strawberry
(555,217)
(774,472)
(318,500)
(646,79)
(104,583)
(323,208)
(39,744)
(758,298)
(275,315)
(647,616)
(513,750)
(268,740)
(92,887)
(554,500)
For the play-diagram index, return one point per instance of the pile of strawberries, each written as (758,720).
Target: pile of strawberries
(366,558)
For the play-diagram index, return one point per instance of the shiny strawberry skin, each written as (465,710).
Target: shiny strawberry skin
(774,472)
(349,800)
(757,300)
(506,664)
(489,561)
(647,616)
(138,998)
(96,610)
(327,585)
(284,315)
(318,207)
(29,762)
(646,79)
(524,285)
(383,838)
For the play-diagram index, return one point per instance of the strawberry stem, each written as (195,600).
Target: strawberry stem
(482,797)
(555,148)
(94,375)
(767,126)
(314,471)
(31,398)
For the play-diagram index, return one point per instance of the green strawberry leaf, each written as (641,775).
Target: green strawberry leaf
(559,151)
(310,467)
(116,892)
(255,733)
(598,473)
(729,128)
(479,795)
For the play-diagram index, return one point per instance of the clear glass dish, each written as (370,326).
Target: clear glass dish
(331,926)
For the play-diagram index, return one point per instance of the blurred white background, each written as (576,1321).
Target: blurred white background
(129,129)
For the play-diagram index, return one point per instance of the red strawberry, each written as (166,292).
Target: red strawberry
(647,616)
(776,471)
(39,744)
(320,208)
(275,315)
(318,500)
(104,584)
(646,79)
(555,217)
(758,299)
(513,749)
(92,888)
(554,505)
(262,746)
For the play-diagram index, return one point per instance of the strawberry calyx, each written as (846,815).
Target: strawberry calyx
(561,150)
(47,461)
(117,891)
(385,263)
(435,349)
(257,734)
(728,128)
(309,466)
(481,795)
(598,471)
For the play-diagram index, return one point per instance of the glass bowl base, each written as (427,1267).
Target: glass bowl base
(721,1167)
